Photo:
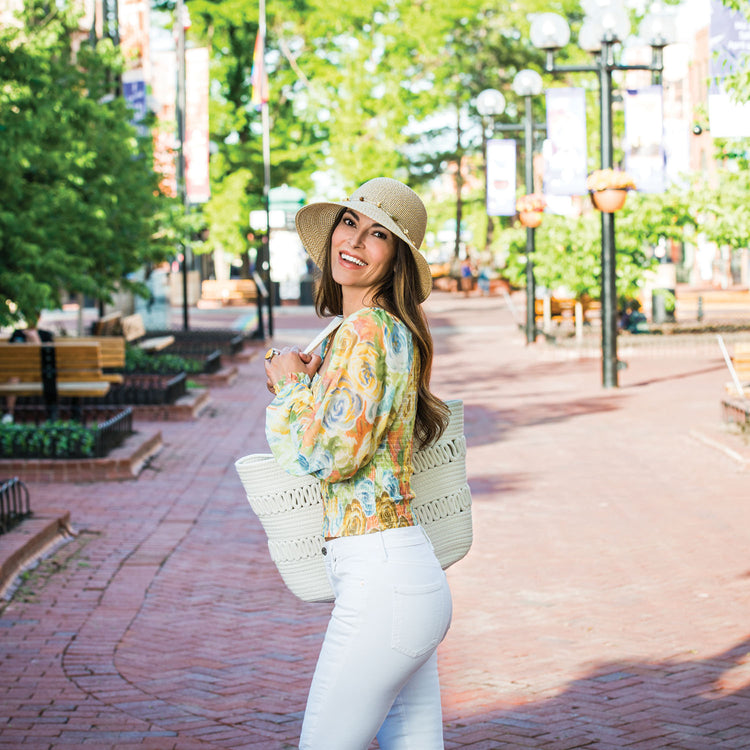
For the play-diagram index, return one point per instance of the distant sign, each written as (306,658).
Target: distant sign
(565,147)
(134,93)
(501,177)
(729,48)
(645,161)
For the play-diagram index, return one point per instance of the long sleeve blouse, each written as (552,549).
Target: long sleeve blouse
(352,427)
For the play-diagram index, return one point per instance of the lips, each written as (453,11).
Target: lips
(352,259)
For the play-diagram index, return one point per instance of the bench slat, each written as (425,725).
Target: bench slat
(78,369)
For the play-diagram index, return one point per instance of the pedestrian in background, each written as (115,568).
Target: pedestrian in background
(351,419)
(28,335)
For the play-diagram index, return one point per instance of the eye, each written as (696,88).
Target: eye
(380,234)
(348,221)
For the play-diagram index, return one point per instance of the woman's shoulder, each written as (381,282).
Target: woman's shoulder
(378,331)
(375,319)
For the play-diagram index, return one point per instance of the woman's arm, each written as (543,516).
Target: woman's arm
(362,389)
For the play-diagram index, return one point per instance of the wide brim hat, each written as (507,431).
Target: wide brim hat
(388,202)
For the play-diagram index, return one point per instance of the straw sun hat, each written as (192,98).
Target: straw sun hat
(388,202)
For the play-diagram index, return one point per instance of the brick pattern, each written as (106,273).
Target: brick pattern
(604,603)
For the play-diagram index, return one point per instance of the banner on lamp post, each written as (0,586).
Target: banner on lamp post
(728,53)
(645,159)
(501,177)
(134,93)
(197,182)
(565,147)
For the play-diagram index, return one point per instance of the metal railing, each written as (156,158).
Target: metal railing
(14,503)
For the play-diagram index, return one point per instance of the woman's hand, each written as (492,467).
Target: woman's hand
(287,362)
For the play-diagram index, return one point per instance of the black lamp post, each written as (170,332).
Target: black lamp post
(490,103)
(526,83)
(181,112)
(605,26)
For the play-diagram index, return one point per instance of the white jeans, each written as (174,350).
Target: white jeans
(377,670)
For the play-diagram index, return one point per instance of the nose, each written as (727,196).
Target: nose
(357,238)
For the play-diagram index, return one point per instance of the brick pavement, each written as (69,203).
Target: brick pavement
(604,603)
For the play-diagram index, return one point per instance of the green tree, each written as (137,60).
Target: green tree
(356,91)
(79,202)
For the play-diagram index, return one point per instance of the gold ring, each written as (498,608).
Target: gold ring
(271,353)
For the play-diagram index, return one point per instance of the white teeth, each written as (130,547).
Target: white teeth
(352,259)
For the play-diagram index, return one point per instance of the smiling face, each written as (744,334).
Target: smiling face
(362,253)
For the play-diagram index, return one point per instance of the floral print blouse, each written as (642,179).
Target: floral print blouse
(352,427)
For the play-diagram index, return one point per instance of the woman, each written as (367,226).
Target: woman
(350,419)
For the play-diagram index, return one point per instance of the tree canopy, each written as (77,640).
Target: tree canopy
(79,200)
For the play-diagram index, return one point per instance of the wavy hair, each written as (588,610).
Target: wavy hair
(397,294)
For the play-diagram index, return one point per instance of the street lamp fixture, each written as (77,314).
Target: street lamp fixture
(490,103)
(606,24)
(527,83)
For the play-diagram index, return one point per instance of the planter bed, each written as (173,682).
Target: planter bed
(140,388)
(736,411)
(123,463)
(96,431)
(208,357)
(204,340)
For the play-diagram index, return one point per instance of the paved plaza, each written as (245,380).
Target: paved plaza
(605,603)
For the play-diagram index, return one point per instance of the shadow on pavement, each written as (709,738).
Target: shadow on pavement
(690,705)
(678,376)
(484,425)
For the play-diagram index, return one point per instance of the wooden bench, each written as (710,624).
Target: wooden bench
(108,325)
(230,291)
(112,350)
(134,332)
(741,361)
(564,309)
(52,370)
(715,297)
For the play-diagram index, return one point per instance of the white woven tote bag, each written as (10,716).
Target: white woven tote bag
(290,509)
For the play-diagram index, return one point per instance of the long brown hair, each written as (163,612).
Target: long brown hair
(398,294)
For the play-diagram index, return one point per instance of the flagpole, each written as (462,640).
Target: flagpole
(265,120)
(181,184)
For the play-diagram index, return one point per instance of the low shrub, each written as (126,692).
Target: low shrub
(136,360)
(54,439)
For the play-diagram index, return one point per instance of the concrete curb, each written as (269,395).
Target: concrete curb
(29,541)
(125,462)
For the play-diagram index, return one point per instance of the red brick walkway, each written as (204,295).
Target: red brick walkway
(605,603)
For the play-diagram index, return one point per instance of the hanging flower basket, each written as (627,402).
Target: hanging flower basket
(609,189)
(531,219)
(610,200)
(531,209)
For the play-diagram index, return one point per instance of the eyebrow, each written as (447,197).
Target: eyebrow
(355,216)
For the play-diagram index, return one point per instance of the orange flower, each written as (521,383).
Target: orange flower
(531,202)
(606,179)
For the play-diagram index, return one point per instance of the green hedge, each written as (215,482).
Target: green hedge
(136,360)
(58,439)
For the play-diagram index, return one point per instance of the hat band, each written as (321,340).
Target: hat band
(391,217)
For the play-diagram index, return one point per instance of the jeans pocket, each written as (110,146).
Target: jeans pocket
(421,614)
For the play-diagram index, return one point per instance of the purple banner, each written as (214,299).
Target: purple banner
(565,147)
(134,93)
(501,177)
(644,139)
(729,50)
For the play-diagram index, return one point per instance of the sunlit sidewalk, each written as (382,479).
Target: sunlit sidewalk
(604,603)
